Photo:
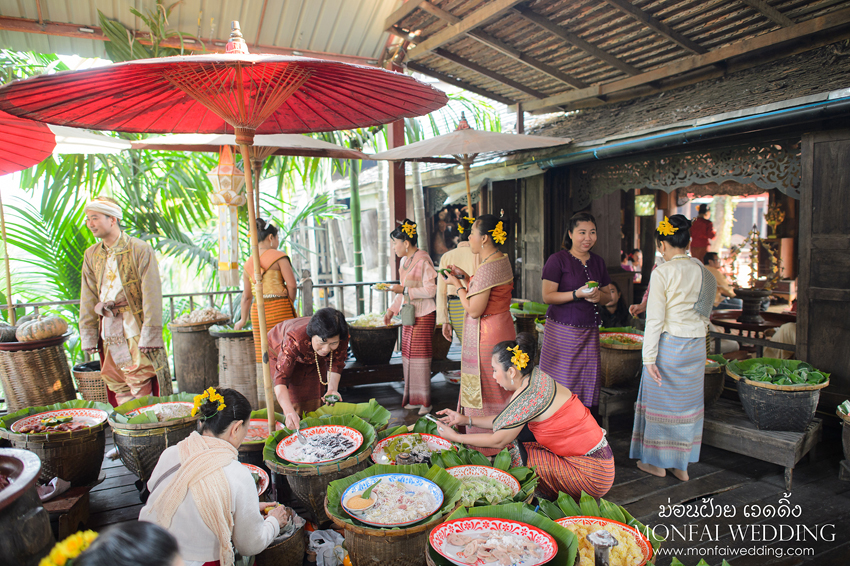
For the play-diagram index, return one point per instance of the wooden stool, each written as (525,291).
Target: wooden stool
(613,401)
(70,510)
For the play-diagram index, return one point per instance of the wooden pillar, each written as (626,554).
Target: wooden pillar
(520,119)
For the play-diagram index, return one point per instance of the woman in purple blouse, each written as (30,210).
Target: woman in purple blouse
(570,351)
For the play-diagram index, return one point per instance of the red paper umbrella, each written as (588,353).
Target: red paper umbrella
(226,93)
(23,143)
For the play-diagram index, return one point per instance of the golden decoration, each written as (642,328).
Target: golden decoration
(499,234)
(520,359)
(665,228)
(409,229)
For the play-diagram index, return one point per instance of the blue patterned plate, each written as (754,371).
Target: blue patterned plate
(400,500)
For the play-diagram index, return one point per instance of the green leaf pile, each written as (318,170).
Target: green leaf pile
(7,421)
(146,417)
(353,421)
(371,412)
(465,457)
(778,372)
(449,485)
(566,506)
(567,541)
(530,307)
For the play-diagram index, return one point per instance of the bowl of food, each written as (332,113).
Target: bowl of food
(63,420)
(324,443)
(418,445)
(633,548)
(480,541)
(261,478)
(164,411)
(258,430)
(398,500)
(484,483)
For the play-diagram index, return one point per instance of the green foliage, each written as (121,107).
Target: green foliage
(123,45)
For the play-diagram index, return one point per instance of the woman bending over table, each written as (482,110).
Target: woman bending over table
(567,447)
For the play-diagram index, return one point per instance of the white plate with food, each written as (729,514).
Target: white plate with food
(62,420)
(480,541)
(420,446)
(261,478)
(484,482)
(633,549)
(325,443)
(396,501)
(166,411)
(258,430)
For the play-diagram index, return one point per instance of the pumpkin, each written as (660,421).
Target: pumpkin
(27,318)
(7,332)
(41,328)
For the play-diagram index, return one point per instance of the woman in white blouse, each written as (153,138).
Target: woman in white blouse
(203,496)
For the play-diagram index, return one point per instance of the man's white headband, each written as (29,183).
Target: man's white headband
(106,208)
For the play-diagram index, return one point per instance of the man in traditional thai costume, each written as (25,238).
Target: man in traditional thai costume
(121,308)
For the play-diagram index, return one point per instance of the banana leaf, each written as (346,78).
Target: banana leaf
(425,426)
(775,369)
(392,432)
(353,421)
(449,485)
(628,329)
(371,412)
(535,308)
(604,509)
(466,457)
(7,420)
(263,414)
(719,359)
(566,540)
(121,410)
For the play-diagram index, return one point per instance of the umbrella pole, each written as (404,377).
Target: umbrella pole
(8,271)
(468,191)
(257,167)
(258,287)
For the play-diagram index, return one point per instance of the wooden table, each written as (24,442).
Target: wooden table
(727,321)
(727,427)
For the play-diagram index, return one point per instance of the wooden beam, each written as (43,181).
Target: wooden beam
(574,40)
(24,25)
(769,12)
(526,59)
(480,17)
(657,26)
(402,12)
(810,27)
(473,66)
(460,83)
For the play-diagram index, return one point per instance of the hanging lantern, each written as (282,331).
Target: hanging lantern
(228,182)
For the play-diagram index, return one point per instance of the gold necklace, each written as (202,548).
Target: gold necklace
(319,370)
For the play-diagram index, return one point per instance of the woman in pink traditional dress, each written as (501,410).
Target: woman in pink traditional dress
(486,298)
(419,282)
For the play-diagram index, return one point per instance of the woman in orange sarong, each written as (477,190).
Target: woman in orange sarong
(486,298)
(279,286)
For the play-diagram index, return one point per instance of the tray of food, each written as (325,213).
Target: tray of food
(62,420)
(480,541)
(261,478)
(324,443)
(419,446)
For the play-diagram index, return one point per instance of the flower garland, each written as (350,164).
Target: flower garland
(409,229)
(519,359)
(64,553)
(210,394)
(665,228)
(499,234)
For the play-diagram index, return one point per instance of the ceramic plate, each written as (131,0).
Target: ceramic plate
(258,430)
(155,406)
(413,485)
(642,542)
(435,443)
(472,526)
(452,376)
(263,484)
(461,472)
(88,417)
(289,447)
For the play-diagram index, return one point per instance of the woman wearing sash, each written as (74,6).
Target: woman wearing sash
(568,451)
(203,496)
(279,286)
(419,282)
(667,432)
(486,298)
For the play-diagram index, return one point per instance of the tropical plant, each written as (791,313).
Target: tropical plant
(123,44)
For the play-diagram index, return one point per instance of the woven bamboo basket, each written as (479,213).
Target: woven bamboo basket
(236,363)
(90,384)
(290,552)
(141,445)
(620,363)
(715,379)
(25,524)
(310,484)
(75,456)
(387,547)
(373,345)
(34,374)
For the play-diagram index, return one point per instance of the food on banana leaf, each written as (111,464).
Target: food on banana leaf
(412,444)
(803,374)
(487,489)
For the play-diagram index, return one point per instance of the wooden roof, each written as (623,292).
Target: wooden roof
(569,54)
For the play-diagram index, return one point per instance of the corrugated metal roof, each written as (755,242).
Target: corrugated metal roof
(346,27)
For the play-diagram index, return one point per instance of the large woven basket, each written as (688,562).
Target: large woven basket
(387,547)
(290,552)
(90,384)
(715,379)
(76,456)
(195,356)
(141,445)
(236,363)
(620,363)
(35,376)
(373,345)
(310,484)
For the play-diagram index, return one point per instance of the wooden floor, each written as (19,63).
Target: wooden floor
(730,479)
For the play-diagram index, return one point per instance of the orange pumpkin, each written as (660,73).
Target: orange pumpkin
(41,328)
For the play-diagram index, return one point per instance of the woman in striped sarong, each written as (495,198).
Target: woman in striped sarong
(279,287)
(565,446)
(419,282)
(667,432)
(486,300)
(570,352)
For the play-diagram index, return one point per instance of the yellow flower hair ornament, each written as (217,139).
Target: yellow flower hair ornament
(64,553)
(499,234)
(519,359)
(409,229)
(460,226)
(210,395)
(665,228)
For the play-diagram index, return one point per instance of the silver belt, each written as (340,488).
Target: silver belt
(602,444)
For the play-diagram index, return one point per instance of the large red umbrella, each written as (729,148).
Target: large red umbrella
(233,92)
